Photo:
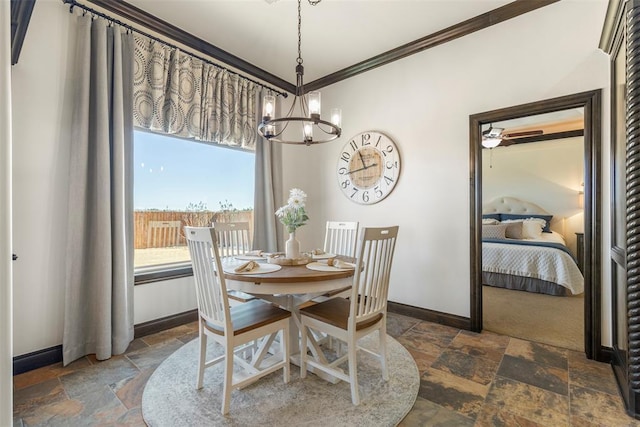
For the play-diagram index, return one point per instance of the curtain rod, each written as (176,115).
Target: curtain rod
(74,3)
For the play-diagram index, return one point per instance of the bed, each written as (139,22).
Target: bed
(521,251)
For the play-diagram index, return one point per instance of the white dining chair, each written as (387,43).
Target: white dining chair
(233,238)
(362,314)
(340,238)
(236,328)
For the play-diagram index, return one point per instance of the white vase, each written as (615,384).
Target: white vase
(292,247)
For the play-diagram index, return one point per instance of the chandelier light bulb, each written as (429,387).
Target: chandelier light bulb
(268,107)
(308,132)
(314,104)
(336,117)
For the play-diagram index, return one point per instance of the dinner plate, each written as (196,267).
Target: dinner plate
(323,256)
(263,268)
(320,266)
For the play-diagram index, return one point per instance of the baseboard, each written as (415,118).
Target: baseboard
(49,356)
(430,315)
(159,325)
(605,354)
(37,359)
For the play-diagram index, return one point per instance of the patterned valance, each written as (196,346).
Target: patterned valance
(178,94)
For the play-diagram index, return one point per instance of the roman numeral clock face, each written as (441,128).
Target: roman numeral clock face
(368,167)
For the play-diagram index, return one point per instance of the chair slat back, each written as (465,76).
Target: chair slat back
(341,238)
(233,238)
(163,234)
(211,290)
(373,269)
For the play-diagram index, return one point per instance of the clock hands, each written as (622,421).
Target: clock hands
(362,160)
(361,169)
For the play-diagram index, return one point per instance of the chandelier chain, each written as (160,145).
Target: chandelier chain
(299,60)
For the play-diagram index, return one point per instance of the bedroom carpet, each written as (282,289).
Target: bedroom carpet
(546,319)
(170,397)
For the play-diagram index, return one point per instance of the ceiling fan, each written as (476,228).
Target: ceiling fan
(493,137)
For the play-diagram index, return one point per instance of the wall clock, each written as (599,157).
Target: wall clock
(368,167)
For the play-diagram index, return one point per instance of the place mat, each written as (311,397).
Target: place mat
(263,268)
(321,266)
(170,397)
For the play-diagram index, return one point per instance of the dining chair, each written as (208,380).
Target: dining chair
(340,238)
(233,238)
(362,314)
(235,328)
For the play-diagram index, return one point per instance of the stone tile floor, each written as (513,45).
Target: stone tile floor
(467,379)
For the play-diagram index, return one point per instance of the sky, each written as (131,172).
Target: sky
(170,173)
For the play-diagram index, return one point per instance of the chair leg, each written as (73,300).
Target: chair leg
(382,338)
(202,359)
(284,347)
(353,370)
(228,378)
(303,351)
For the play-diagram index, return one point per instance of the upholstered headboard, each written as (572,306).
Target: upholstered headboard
(513,205)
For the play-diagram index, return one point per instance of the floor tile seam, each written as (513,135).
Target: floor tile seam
(507,408)
(566,396)
(616,395)
(136,366)
(539,364)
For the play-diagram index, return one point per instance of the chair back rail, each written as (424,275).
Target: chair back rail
(373,269)
(233,238)
(162,234)
(211,291)
(341,237)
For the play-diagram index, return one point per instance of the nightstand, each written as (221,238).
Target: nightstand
(580,250)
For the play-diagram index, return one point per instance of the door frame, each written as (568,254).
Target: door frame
(591,102)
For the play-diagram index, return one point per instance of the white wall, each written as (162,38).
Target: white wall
(41,122)
(423,102)
(547,173)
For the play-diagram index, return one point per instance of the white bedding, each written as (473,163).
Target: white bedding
(549,264)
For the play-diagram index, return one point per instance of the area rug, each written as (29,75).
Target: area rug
(170,397)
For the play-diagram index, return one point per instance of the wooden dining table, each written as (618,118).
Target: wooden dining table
(290,288)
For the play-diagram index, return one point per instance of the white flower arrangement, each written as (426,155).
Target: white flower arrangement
(293,215)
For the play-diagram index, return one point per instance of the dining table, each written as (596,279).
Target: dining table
(291,287)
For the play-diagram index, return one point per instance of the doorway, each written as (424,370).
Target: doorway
(590,103)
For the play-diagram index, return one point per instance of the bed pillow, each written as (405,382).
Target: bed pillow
(532,228)
(495,216)
(547,219)
(514,229)
(494,231)
(490,221)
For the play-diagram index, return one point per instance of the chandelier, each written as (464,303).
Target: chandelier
(272,128)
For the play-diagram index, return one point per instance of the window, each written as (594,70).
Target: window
(180,182)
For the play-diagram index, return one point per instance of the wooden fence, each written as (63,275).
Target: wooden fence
(161,229)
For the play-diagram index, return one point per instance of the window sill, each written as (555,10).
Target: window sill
(163,272)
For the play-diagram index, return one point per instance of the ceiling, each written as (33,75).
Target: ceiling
(336,34)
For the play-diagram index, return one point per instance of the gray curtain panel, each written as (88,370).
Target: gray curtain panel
(268,194)
(99,288)
(178,94)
